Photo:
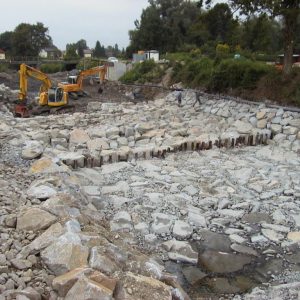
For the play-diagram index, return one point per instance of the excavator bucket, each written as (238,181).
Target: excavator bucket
(21,111)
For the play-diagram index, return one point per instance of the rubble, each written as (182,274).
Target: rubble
(105,204)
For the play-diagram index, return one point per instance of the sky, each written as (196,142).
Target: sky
(71,20)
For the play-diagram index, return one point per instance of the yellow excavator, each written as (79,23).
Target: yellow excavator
(74,84)
(49,96)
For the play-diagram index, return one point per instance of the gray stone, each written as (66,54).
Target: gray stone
(196,219)
(41,192)
(100,261)
(222,262)
(121,221)
(243,127)
(78,136)
(97,144)
(142,228)
(46,238)
(182,230)
(61,257)
(272,235)
(180,251)
(161,224)
(193,275)
(244,249)
(32,149)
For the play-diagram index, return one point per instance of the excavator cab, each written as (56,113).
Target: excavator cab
(55,96)
(72,79)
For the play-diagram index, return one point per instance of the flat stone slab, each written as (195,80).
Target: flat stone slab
(222,262)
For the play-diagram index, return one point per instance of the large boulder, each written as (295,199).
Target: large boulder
(63,256)
(35,219)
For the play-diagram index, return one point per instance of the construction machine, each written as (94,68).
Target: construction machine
(74,84)
(49,96)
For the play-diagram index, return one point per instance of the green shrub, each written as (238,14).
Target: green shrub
(194,73)
(233,74)
(147,71)
(52,68)
(222,50)
(3,67)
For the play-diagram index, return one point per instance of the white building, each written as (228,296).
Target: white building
(2,54)
(87,53)
(152,54)
(145,55)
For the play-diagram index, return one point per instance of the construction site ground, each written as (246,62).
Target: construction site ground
(145,199)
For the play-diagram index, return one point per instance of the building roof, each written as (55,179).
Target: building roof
(152,51)
(294,55)
(87,51)
(50,49)
(2,51)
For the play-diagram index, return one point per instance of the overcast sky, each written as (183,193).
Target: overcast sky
(71,20)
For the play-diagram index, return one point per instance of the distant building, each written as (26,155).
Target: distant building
(2,54)
(146,55)
(87,53)
(296,58)
(50,53)
(152,54)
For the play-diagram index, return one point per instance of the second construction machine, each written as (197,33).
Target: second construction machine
(51,99)
(74,85)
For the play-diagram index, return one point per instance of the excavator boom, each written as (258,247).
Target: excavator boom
(74,88)
(27,71)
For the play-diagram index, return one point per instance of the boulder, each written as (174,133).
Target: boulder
(182,230)
(78,136)
(180,251)
(32,150)
(35,219)
(222,262)
(41,192)
(87,289)
(62,256)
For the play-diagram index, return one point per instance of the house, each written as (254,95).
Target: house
(146,55)
(152,54)
(2,54)
(50,53)
(87,53)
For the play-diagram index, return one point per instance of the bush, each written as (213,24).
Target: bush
(194,73)
(222,51)
(3,67)
(280,87)
(233,74)
(52,68)
(147,71)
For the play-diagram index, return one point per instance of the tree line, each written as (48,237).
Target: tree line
(30,39)
(180,25)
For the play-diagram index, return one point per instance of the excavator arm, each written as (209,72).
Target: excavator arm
(27,71)
(101,70)
(75,88)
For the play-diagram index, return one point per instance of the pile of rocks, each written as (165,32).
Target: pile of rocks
(145,228)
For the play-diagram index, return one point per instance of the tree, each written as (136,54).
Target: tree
(71,52)
(28,40)
(163,26)
(97,50)
(80,46)
(288,10)
(261,34)
(6,41)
